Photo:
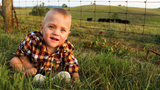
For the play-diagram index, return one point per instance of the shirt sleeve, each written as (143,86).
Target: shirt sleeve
(25,48)
(71,64)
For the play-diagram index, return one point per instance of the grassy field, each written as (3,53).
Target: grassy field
(134,32)
(114,68)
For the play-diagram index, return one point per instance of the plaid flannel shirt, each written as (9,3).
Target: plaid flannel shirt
(33,46)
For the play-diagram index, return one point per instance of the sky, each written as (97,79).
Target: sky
(72,3)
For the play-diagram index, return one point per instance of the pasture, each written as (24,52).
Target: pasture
(110,67)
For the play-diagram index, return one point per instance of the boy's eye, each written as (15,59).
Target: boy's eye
(51,26)
(62,30)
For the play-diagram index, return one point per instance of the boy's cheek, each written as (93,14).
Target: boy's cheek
(67,35)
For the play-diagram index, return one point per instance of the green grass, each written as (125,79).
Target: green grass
(99,70)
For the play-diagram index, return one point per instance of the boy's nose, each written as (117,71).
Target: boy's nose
(56,31)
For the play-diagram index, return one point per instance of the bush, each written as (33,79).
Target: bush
(64,6)
(115,16)
(40,10)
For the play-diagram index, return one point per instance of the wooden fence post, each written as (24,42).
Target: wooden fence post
(7,14)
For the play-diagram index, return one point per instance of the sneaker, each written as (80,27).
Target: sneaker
(63,75)
(39,78)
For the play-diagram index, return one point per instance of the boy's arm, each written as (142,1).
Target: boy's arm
(28,68)
(23,52)
(75,76)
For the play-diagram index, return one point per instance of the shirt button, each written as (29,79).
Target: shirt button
(65,51)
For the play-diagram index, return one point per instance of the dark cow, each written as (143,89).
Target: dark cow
(101,20)
(118,20)
(109,20)
(125,21)
(89,19)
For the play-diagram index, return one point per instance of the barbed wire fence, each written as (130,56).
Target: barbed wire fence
(89,15)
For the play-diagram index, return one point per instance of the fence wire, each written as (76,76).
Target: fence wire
(98,15)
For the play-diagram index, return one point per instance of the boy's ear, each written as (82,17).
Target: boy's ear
(69,32)
(41,28)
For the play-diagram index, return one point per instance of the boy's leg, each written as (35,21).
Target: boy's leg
(16,64)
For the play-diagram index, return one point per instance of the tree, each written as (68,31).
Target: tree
(7,14)
(115,16)
(119,5)
(94,3)
(42,4)
(64,6)
(40,10)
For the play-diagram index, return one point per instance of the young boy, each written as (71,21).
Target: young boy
(48,50)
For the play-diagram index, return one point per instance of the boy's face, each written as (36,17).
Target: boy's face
(55,29)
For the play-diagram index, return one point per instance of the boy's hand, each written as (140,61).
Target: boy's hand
(30,71)
(75,77)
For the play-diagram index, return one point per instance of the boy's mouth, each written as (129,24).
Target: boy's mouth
(54,38)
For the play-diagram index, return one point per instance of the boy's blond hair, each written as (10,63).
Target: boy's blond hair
(62,11)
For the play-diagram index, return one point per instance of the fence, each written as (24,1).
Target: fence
(120,19)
